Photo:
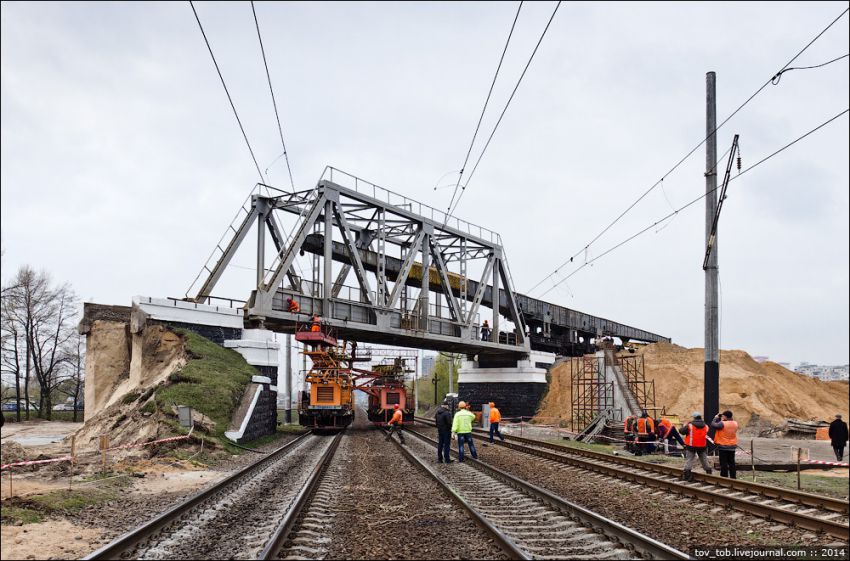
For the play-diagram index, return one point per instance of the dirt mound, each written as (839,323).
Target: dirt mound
(753,391)
(747,387)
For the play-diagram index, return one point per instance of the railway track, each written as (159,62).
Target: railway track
(528,522)
(240,517)
(805,510)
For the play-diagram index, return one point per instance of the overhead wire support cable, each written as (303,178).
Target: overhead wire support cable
(694,149)
(778,76)
(232,106)
(483,109)
(513,93)
(694,201)
(274,103)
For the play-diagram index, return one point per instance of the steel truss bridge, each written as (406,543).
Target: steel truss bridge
(389,242)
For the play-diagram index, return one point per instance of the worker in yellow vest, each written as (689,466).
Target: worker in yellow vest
(726,440)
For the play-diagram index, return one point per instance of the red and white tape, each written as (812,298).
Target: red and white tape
(34,462)
(825,463)
(161,440)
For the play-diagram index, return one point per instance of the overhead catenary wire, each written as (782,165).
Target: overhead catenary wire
(692,202)
(274,102)
(224,85)
(778,76)
(690,153)
(507,104)
(483,109)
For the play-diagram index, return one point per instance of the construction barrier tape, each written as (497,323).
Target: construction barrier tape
(823,462)
(34,462)
(140,444)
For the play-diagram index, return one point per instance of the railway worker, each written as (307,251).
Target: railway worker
(495,419)
(726,440)
(629,433)
(485,331)
(443,418)
(646,434)
(668,433)
(696,440)
(462,427)
(396,424)
(838,436)
(317,324)
(292,306)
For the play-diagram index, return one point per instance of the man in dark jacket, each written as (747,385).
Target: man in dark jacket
(838,436)
(444,432)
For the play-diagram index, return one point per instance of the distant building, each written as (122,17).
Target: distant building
(760,358)
(825,373)
(428,363)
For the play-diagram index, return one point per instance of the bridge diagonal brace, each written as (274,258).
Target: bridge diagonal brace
(364,240)
(278,239)
(440,262)
(287,256)
(513,309)
(482,285)
(227,255)
(359,270)
(405,269)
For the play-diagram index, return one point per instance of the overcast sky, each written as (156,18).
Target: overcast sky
(122,162)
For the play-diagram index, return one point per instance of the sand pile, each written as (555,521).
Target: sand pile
(748,388)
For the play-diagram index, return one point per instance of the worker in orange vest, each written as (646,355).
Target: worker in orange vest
(646,434)
(396,424)
(696,440)
(667,433)
(495,419)
(317,324)
(726,440)
(629,433)
(292,306)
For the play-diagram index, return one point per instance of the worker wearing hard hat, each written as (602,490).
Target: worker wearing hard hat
(396,424)
(462,427)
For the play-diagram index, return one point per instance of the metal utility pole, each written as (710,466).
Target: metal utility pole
(711,388)
(287,382)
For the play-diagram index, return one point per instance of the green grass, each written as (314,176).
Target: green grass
(64,501)
(809,482)
(212,382)
(603,448)
(13,514)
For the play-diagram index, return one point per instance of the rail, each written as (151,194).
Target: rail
(127,541)
(708,488)
(641,545)
(279,537)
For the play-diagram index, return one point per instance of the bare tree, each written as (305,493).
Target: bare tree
(71,385)
(44,315)
(12,343)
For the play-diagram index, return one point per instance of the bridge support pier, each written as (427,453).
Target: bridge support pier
(516,390)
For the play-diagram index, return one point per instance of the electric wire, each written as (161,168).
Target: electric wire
(513,93)
(694,201)
(232,106)
(483,109)
(690,153)
(274,103)
(778,76)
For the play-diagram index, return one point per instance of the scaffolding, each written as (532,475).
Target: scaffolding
(642,389)
(591,394)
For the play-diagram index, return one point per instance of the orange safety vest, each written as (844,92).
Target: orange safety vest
(645,425)
(696,437)
(397,418)
(627,424)
(666,424)
(495,416)
(728,435)
(316,325)
(293,306)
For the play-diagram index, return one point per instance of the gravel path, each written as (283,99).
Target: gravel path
(679,522)
(384,508)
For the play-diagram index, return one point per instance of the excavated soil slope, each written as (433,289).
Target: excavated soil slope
(747,387)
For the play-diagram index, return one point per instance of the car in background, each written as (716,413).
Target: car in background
(64,407)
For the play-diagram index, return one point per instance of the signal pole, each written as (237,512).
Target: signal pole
(711,380)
